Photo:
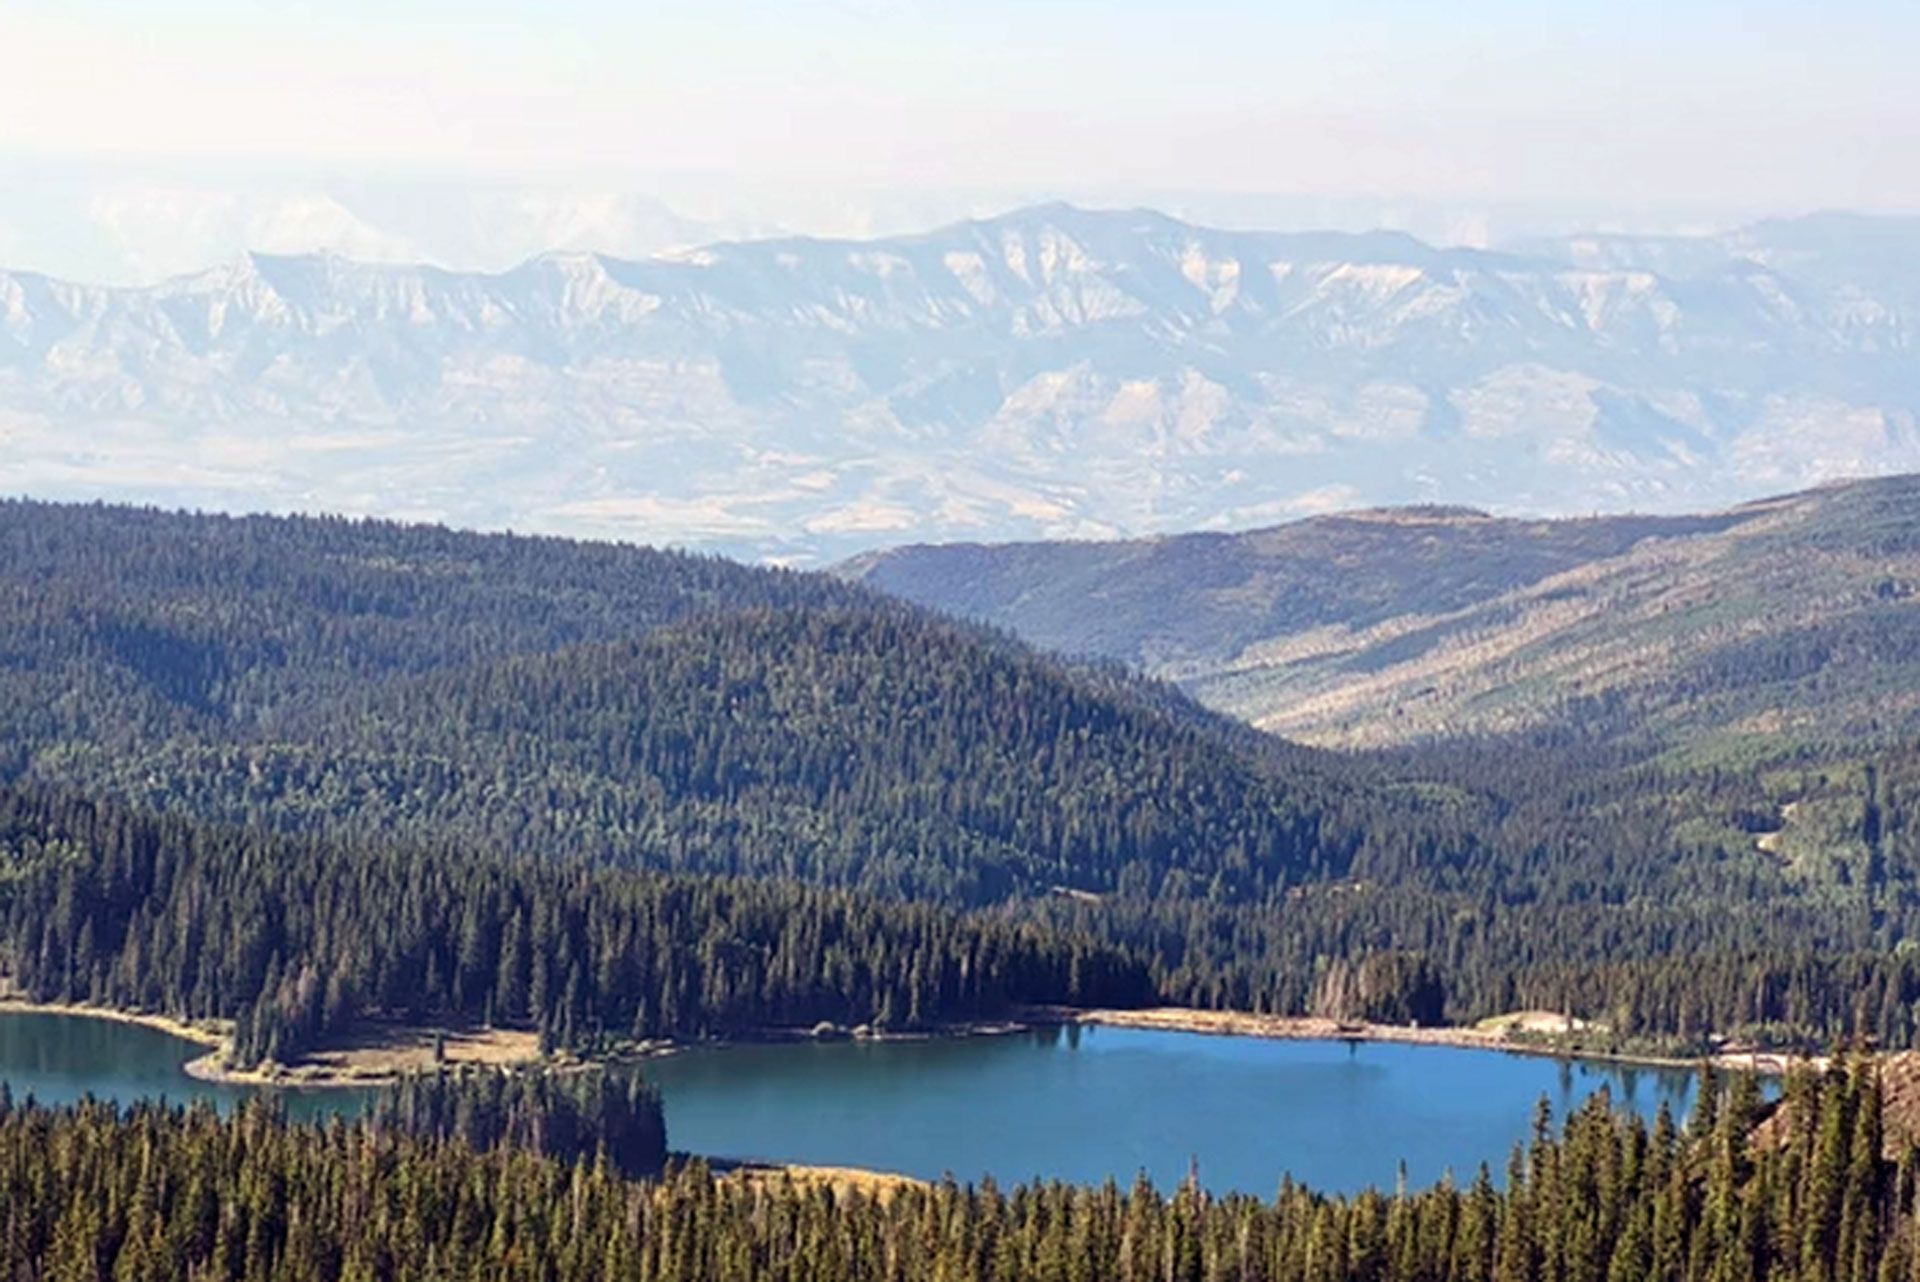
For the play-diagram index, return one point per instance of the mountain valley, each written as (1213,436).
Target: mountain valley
(1746,634)
(1053,372)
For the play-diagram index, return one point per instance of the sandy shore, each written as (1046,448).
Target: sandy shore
(841,1179)
(1521,1033)
(372,1054)
(207,1032)
(375,1053)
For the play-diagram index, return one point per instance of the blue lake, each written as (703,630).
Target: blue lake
(57,1059)
(1073,1104)
(1084,1104)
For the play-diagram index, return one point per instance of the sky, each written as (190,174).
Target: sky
(838,116)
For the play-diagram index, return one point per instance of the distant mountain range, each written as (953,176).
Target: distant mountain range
(1051,373)
(1750,633)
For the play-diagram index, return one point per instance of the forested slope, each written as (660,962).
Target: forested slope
(295,939)
(420,697)
(115,618)
(1776,625)
(885,750)
(643,707)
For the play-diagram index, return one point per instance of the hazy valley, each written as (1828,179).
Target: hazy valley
(1052,372)
(980,643)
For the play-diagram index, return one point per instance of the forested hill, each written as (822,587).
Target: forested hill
(643,707)
(1776,625)
(297,938)
(243,618)
(407,690)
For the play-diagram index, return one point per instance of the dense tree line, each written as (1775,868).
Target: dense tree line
(568,1115)
(678,713)
(237,619)
(387,688)
(1383,987)
(87,1192)
(295,939)
(1671,979)
(1666,933)
(876,749)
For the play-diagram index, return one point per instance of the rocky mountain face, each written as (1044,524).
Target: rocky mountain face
(1753,631)
(1051,373)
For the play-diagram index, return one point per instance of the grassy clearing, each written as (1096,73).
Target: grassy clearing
(372,1051)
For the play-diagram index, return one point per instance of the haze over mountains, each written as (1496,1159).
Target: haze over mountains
(1052,373)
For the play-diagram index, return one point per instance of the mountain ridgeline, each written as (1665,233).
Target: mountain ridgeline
(1051,372)
(1757,632)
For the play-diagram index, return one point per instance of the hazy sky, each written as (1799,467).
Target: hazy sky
(1749,107)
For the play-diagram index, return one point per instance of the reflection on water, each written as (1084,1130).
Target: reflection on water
(1084,1104)
(1072,1103)
(58,1059)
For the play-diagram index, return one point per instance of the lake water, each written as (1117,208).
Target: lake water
(57,1059)
(1083,1104)
(1073,1104)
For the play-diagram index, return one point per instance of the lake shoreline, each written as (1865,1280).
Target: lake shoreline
(214,1034)
(349,1065)
(376,1062)
(1312,1028)
(382,1060)
(729,1146)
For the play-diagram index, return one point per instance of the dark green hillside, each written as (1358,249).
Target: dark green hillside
(880,749)
(540,696)
(115,620)
(295,939)
(586,706)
